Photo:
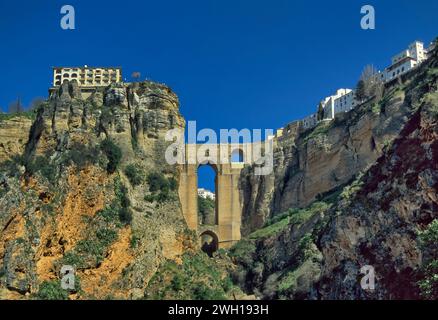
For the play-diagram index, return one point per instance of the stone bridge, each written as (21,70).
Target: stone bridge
(228,207)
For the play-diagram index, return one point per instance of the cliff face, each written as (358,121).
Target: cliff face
(14,132)
(378,226)
(76,190)
(309,164)
(386,217)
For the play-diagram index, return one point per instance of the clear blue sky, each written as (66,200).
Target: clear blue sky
(233,63)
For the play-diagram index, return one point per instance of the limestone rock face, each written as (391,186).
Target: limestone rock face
(378,226)
(311,163)
(61,205)
(14,133)
(374,221)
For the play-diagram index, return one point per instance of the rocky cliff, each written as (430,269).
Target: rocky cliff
(14,131)
(367,188)
(85,185)
(308,164)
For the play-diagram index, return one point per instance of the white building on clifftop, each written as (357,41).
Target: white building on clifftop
(87,76)
(204,193)
(342,101)
(405,61)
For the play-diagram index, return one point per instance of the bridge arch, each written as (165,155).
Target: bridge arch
(208,220)
(237,156)
(209,242)
(227,193)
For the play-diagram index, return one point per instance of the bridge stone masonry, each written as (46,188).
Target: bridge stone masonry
(228,207)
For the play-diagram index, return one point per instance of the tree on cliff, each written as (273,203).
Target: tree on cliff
(15,106)
(369,85)
(136,75)
(360,91)
(36,103)
(320,113)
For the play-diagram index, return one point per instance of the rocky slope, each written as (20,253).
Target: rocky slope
(309,164)
(385,217)
(76,190)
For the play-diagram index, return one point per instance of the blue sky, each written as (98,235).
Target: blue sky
(233,63)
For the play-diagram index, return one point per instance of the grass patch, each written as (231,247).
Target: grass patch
(31,115)
(321,129)
(290,217)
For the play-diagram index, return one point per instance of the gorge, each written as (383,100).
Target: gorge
(83,182)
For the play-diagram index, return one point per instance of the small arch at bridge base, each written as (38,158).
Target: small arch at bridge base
(209,242)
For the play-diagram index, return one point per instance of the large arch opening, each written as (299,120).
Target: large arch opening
(209,242)
(207,194)
(237,156)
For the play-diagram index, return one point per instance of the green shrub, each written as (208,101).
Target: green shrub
(304,247)
(177,282)
(106,236)
(113,153)
(118,211)
(173,184)
(157,182)
(51,290)
(227,283)
(73,259)
(11,166)
(203,292)
(43,165)
(135,240)
(429,283)
(161,187)
(91,247)
(206,209)
(149,198)
(243,251)
(125,215)
(196,278)
(121,193)
(81,155)
(109,213)
(134,174)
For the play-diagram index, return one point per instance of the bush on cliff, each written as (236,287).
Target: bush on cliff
(428,240)
(44,166)
(196,278)
(51,290)
(113,153)
(134,174)
(160,186)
